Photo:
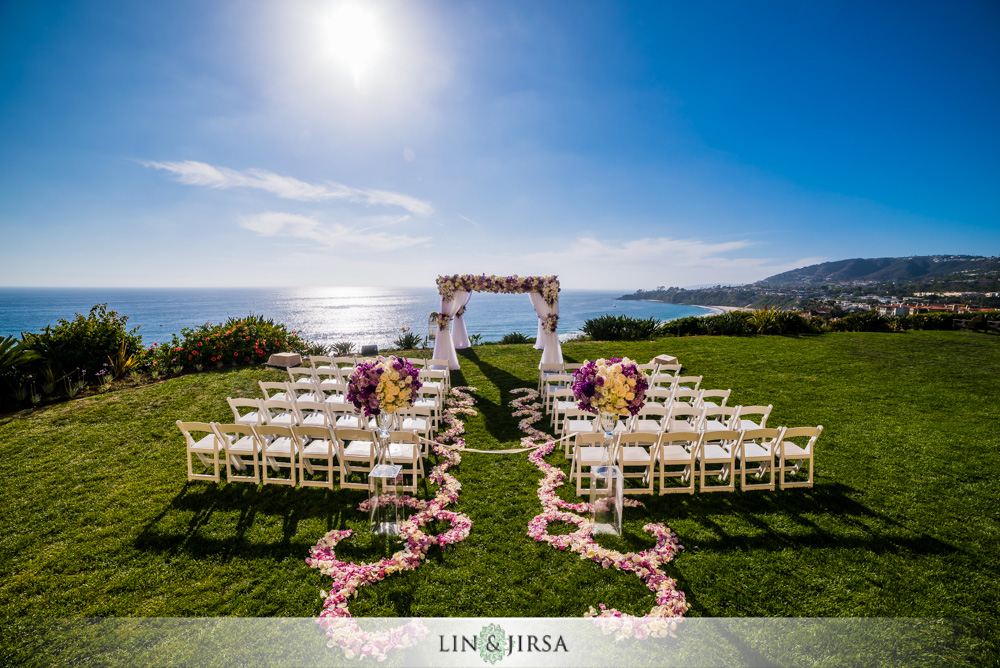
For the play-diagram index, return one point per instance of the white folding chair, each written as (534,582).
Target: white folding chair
(757,451)
(562,399)
(715,397)
(274,390)
(719,448)
(754,417)
(252,416)
(588,452)
(277,413)
(242,452)
(666,374)
(633,451)
(682,417)
(575,421)
(346,416)
(571,367)
(434,378)
(432,398)
(792,455)
(720,418)
(312,414)
(201,441)
(547,369)
(297,373)
(356,453)
(279,450)
(318,450)
(418,420)
(404,450)
(553,382)
(305,390)
(441,365)
(677,454)
(321,362)
(684,395)
(651,419)
(688,382)
(661,396)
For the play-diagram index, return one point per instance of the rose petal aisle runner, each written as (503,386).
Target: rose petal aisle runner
(349,577)
(670,603)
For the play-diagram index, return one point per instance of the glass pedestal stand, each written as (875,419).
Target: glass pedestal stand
(384,515)
(607,485)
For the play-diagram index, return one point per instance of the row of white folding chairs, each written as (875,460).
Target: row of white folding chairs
(335,377)
(655,373)
(560,399)
(678,416)
(279,412)
(310,456)
(760,452)
(345,364)
(335,394)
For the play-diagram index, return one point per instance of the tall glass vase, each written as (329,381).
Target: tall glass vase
(607,484)
(384,513)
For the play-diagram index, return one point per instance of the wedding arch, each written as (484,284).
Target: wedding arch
(456,290)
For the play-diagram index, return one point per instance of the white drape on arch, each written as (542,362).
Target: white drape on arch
(459,335)
(444,347)
(550,346)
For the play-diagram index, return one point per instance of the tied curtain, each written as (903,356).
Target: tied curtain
(444,347)
(459,335)
(547,341)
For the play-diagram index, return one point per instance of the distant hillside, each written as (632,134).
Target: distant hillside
(888,270)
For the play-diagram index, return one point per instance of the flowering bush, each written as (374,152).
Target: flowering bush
(614,386)
(249,340)
(385,384)
(546,286)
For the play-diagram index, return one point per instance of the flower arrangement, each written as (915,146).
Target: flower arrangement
(349,577)
(670,603)
(546,286)
(384,384)
(610,386)
(551,322)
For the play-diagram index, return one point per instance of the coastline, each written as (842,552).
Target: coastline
(715,310)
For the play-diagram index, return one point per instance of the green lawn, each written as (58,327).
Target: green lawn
(97,518)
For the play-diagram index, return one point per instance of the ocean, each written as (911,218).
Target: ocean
(324,315)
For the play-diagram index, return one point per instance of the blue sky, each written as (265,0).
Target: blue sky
(618,145)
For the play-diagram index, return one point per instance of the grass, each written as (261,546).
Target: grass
(97,518)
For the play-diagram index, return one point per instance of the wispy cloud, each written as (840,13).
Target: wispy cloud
(331,235)
(656,261)
(469,220)
(194,173)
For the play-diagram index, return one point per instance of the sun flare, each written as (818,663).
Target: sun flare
(356,40)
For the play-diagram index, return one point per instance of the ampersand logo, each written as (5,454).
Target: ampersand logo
(492,643)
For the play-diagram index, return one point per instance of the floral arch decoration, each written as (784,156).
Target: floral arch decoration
(456,290)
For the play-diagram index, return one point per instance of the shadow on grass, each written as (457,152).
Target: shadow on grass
(823,517)
(497,418)
(185,525)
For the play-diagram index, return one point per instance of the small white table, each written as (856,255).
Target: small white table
(284,360)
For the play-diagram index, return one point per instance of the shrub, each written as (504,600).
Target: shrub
(249,340)
(407,340)
(765,320)
(475,339)
(794,323)
(621,328)
(342,348)
(869,321)
(733,323)
(689,326)
(86,342)
(14,359)
(516,337)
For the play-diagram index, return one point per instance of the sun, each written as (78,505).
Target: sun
(356,40)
